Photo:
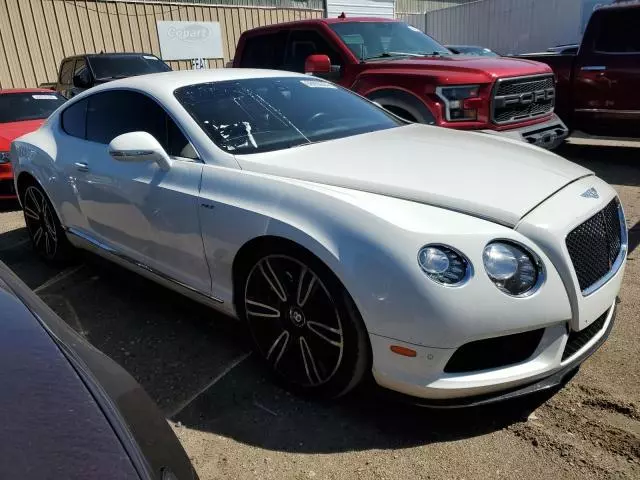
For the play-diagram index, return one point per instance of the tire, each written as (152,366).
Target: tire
(303,323)
(45,231)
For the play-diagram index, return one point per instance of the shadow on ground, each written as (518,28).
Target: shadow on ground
(617,165)
(258,413)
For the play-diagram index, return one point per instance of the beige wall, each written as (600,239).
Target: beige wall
(35,35)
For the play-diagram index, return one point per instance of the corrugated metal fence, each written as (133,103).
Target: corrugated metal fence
(423,6)
(35,35)
(508,26)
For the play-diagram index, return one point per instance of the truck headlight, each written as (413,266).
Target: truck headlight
(512,268)
(461,103)
(444,265)
(4,157)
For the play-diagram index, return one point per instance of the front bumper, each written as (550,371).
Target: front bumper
(549,134)
(556,373)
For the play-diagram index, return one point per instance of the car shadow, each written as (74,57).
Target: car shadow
(614,164)
(259,413)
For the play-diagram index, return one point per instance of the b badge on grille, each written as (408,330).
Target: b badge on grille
(591,193)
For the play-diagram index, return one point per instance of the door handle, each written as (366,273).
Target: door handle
(81,166)
(594,68)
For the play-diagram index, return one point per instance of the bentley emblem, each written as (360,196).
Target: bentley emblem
(591,193)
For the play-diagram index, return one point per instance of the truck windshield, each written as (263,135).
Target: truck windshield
(110,67)
(266,114)
(371,40)
(18,107)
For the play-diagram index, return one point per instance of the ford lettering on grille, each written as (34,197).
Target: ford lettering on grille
(518,99)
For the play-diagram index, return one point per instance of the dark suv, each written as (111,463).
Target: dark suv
(81,72)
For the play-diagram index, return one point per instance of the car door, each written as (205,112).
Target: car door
(608,75)
(144,213)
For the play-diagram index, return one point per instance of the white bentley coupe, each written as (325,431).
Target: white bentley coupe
(455,267)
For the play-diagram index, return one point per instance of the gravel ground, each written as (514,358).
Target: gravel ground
(235,423)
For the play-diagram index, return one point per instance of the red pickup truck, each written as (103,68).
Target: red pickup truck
(598,90)
(413,76)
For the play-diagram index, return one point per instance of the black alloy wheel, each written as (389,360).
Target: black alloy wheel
(303,324)
(44,229)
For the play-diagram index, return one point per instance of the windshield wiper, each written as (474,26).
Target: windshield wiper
(403,54)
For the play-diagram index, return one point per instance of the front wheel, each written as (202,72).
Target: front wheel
(304,324)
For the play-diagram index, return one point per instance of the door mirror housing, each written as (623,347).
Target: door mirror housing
(82,80)
(139,147)
(317,63)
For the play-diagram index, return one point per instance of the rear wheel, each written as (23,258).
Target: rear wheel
(304,324)
(47,237)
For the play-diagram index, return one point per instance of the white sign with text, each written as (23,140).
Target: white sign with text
(187,40)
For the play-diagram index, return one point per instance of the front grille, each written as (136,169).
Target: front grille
(595,244)
(577,340)
(494,352)
(520,99)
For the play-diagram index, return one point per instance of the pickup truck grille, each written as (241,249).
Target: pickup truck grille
(518,99)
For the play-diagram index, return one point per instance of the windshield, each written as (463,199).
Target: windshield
(18,107)
(370,40)
(109,67)
(266,114)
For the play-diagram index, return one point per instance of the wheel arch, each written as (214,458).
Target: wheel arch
(403,100)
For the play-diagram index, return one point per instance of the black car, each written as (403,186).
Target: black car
(67,410)
(81,72)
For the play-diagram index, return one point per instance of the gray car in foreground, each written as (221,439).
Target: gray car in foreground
(67,410)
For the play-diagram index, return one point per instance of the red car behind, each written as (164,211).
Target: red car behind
(21,111)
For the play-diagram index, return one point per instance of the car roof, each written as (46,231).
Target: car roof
(25,90)
(160,84)
(326,21)
(620,5)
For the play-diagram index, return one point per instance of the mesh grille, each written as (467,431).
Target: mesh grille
(508,91)
(577,340)
(595,244)
(511,87)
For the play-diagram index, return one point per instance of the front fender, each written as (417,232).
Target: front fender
(371,242)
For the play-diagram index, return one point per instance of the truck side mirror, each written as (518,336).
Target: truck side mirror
(82,80)
(317,64)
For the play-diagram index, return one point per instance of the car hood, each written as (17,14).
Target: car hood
(486,68)
(478,174)
(12,130)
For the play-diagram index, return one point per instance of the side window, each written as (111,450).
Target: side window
(66,72)
(113,113)
(618,32)
(264,51)
(303,43)
(74,119)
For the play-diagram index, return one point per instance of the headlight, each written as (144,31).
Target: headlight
(444,265)
(513,269)
(461,103)
(4,157)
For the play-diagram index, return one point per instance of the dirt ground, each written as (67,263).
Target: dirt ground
(235,424)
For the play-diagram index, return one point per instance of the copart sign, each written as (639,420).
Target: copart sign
(187,40)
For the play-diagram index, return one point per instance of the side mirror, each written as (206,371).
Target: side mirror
(139,147)
(81,80)
(317,64)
